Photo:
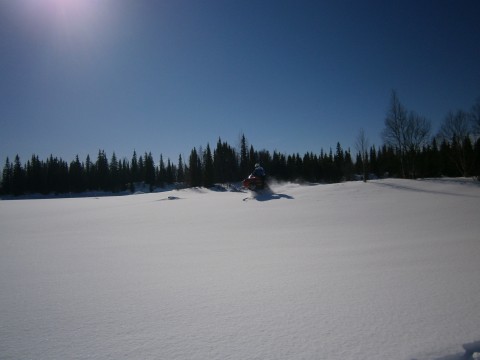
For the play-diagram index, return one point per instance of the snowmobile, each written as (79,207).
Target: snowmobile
(254,183)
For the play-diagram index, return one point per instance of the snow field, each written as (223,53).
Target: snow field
(383,270)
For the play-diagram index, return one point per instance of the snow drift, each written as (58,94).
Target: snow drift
(383,270)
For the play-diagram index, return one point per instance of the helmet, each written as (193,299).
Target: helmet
(257,165)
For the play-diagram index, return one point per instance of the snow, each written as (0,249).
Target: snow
(387,269)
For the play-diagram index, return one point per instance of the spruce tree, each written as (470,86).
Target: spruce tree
(170,176)
(180,170)
(102,172)
(252,159)
(244,161)
(35,176)
(373,166)
(149,171)
(76,176)
(124,173)
(134,169)
(7,178)
(476,164)
(18,177)
(88,173)
(114,174)
(162,173)
(208,169)
(195,169)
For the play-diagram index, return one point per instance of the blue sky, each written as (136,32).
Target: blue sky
(165,76)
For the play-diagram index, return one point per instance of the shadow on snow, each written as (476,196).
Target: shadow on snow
(472,351)
(271,196)
(268,195)
(397,186)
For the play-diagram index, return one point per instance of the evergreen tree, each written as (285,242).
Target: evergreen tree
(469,154)
(252,159)
(225,163)
(115,183)
(61,176)
(141,170)
(329,168)
(265,159)
(359,166)
(170,172)
(219,162)
(476,165)
(195,169)
(448,166)
(35,176)
(338,161)
(347,168)
(102,172)
(373,163)
(278,168)
(162,173)
(181,170)
(389,162)
(433,164)
(135,173)
(308,167)
(89,173)
(52,174)
(124,174)
(208,169)
(244,160)
(18,177)
(76,176)
(294,167)
(7,178)
(149,171)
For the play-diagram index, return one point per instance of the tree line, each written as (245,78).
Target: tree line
(410,150)
(453,151)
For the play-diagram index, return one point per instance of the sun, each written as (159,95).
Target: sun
(67,24)
(71,13)
(62,15)
(68,4)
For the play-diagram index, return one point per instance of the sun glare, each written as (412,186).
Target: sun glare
(70,24)
(64,15)
(71,13)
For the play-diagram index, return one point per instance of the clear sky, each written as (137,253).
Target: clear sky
(165,76)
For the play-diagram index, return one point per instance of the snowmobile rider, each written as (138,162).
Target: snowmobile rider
(259,172)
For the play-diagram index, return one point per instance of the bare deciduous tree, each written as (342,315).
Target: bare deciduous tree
(455,126)
(395,123)
(417,132)
(407,132)
(475,116)
(416,136)
(457,130)
(362,145)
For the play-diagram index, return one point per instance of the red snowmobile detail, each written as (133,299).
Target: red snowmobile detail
(254,183)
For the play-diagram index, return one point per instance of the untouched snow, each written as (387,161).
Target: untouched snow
(389,269)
